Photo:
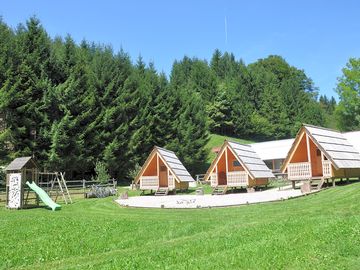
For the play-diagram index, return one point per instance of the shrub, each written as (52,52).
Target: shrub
(2,176)
(101,173)
(134,172)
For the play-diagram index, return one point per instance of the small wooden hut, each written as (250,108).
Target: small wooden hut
(319,153)
(163,172)
(237,165)
(18,172)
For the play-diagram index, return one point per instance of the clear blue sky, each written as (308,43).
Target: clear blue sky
(317,36)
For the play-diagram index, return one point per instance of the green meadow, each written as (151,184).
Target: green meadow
(319,231)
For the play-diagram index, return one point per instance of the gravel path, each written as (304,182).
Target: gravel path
(201,201)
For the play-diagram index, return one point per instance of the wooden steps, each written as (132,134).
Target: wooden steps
(162,191)
(219,190)
(316,184)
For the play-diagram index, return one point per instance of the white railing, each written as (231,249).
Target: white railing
(149,182)
(327,170)
(213,180)
(171,182)
(299,171)
(237,179)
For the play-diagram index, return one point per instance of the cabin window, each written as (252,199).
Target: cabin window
(162,168)
(236,163)
(278,164)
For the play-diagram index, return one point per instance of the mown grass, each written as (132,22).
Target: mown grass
(320,231)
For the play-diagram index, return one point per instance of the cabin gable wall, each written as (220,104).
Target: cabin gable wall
(233,163)
(316,162)
(151,169)
(300,153)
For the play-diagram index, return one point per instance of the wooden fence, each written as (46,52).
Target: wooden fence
(77,189)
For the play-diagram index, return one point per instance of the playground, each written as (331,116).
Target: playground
(26,186)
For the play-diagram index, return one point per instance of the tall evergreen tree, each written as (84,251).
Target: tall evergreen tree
(348,88)
(70,105)
(192,132)
(219,114)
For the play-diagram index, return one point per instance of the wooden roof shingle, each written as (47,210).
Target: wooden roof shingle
(251,161)
(175,165)
(335,147)
(17,164)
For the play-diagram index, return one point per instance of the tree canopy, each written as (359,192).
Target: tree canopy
(73,105)
(348,110)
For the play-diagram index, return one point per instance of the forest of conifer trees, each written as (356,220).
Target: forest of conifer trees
(71,104)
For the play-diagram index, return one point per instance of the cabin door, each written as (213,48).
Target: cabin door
(317,169)
(222,179)
(163,176)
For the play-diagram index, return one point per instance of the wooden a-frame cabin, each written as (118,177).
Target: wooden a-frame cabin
(163,172)
(237,165)
(321,154)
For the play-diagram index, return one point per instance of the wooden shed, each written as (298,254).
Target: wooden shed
(163,172)
(18,172)
(321,153)
(237,165)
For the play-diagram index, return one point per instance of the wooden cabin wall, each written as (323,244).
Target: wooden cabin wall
(258,182)
(300,154)
(339,173)
(181,185)
(316,163)
(231,159)
(163,174)
(346,173)
(221,167)
(151,169)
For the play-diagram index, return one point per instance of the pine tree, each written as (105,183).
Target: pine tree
(72,105)
(273,110)
(219,113)
(192,132)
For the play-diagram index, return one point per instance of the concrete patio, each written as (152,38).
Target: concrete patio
(206,201)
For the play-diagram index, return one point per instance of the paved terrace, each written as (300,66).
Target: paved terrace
(205,201)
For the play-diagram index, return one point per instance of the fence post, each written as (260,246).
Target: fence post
(84,187)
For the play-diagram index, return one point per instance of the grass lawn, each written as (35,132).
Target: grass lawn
(319,231)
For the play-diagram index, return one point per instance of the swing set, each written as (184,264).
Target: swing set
(54,184)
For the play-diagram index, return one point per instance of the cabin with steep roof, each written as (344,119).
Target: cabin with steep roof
(163,172)
(321,153)
(237,165)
